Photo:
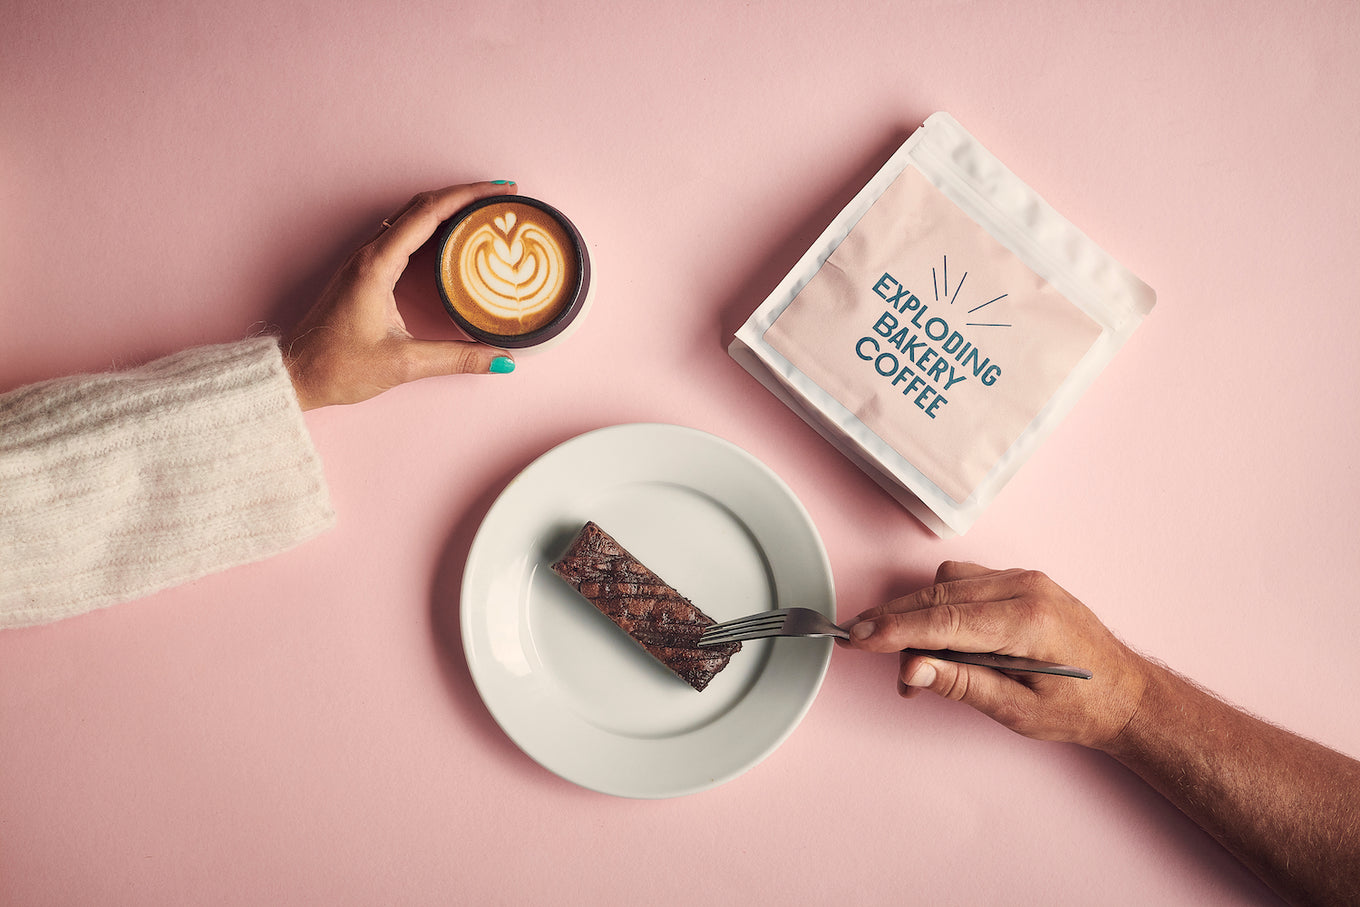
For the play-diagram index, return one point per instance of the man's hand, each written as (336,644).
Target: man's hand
(1013,612)
(1282,804)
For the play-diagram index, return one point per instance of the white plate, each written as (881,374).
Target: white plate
(570,688)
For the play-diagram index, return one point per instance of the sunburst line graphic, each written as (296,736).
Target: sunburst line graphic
(935,282)
(987,303)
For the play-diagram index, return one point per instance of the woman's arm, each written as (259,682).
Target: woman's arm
(117,485)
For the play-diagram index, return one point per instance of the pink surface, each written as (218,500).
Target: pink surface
(305,730)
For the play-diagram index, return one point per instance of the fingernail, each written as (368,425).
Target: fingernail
(862,630)
(502,365)
(924,676)
(502,182)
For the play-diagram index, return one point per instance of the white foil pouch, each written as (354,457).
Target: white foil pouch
(942,326)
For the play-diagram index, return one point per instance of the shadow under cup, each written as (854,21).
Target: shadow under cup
(514,272)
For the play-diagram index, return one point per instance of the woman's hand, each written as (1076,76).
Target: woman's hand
(1013,612)
(353,344)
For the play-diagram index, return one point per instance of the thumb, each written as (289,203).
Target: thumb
(990,692)
(432,358)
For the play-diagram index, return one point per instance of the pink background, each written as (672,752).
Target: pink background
(305,730)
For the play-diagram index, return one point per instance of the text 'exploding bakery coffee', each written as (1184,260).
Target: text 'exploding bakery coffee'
(513,271)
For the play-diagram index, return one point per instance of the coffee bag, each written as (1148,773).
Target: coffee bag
(942,326)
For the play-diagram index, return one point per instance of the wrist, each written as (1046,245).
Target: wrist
(297,375)
(1146,710)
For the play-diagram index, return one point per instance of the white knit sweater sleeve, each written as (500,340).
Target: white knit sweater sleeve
(115,486)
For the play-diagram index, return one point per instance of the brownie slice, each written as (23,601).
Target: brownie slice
(661,620)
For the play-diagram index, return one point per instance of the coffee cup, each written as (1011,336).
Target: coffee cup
(514,272)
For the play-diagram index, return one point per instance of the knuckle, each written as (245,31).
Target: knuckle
(402,363)
(947,570)
(948,619)
(1033,580)
(951,618)
(464,360)
(1037,607)
(935,596)
(952,683)
(360,263)
(423,201)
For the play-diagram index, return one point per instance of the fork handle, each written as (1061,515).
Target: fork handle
(1003,662)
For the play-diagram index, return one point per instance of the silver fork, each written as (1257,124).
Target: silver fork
(807,622)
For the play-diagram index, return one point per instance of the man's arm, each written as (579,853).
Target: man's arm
(1288,808)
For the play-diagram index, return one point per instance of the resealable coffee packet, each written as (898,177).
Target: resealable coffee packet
(942,326)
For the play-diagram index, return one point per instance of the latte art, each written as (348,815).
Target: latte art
(512,270)
(508,268)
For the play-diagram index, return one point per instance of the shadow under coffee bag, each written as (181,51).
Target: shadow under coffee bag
(942,326)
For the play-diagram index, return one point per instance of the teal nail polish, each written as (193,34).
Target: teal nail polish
(502,182)
(502,365)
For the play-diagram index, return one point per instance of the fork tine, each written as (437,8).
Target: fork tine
(759,618)
(707,641)
(753,626)
(749,627)
(728,636)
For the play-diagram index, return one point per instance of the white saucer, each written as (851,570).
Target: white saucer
(570,688)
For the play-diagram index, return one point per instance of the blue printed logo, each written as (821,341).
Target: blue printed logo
(924,353)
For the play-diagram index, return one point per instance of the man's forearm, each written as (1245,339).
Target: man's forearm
(1287,807)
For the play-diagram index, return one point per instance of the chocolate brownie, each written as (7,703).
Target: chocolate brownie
(658,618)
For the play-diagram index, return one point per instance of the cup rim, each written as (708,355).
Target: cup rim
(561,320)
